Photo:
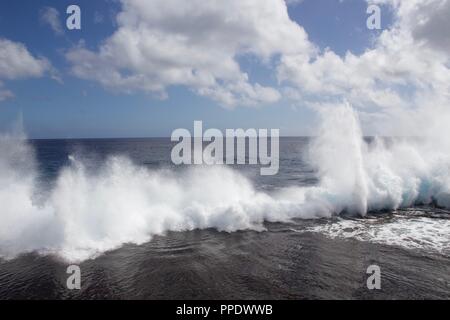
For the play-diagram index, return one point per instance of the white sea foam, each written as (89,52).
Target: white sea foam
(87,213)
(413,233)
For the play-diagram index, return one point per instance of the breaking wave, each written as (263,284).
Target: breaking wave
(86,213)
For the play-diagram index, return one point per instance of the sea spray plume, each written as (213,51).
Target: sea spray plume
(385,174)
(337,154)
(89,212)
(24,226)
(406,172)
(126,203)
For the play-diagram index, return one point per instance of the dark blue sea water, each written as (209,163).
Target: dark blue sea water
(302,259)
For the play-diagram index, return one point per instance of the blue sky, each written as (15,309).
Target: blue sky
(80,108)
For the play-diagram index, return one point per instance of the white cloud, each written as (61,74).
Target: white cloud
(430,23)
(16,62)
(196,44)
(407,63)
(199,45)
(50,16)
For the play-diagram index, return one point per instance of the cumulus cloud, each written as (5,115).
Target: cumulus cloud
(431,24)
(50,16)
(200,45)
(405,73)
(196,44)
(16,62)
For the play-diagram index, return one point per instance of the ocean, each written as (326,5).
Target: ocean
(119,220)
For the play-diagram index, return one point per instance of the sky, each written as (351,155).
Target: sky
(142,68)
